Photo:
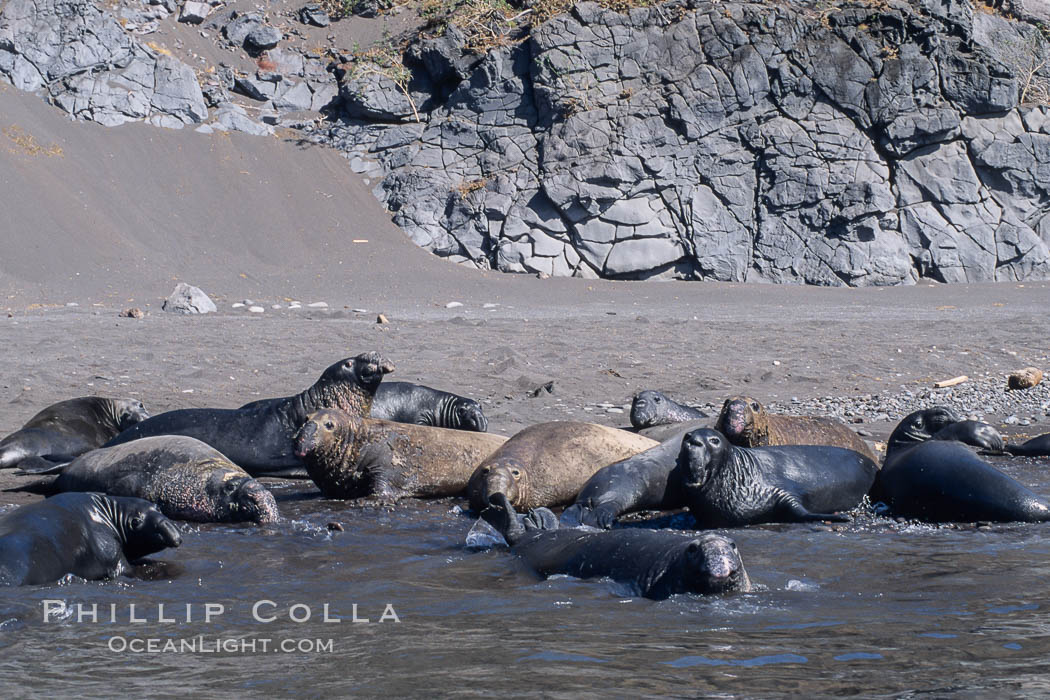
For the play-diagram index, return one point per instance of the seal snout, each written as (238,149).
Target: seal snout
(169,533)
(257,501)
(306,439)
(720,564)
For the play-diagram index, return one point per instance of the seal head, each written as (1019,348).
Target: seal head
(711,564)
(470,416)
(144,529)
(701,451)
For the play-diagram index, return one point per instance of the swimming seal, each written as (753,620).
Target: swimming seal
(746,423)
(651,408)
(352,457)
(89,535)
(640,482)
(69,428)
(729,486)
(259,436)
(187,479)
(653,563)
(1036,447)
(940,481)
(405,402)
(548,463)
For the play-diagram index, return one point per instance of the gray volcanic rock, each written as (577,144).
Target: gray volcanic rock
(91,68)
(187,299)
(736,141)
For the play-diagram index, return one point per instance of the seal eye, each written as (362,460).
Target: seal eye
(754,405)
(693,547)
(715,441)
(657,399)
(515,472)
(329,425)
(137,522)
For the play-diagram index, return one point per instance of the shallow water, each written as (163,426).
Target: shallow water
(876,608)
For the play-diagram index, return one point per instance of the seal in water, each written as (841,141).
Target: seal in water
(729,486)
(941,423)
(69,428)
(747,424)
(1036,447)
(640,482)
(653,563)
(548,463)
(89,535)
(259,436)
(405,402)
(651,408)
(186,478)
(940,481)
(352,457)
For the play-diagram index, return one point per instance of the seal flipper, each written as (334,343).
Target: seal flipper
(796,512)
(540,519)
(39,465)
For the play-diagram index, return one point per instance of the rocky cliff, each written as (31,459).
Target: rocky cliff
(834,143)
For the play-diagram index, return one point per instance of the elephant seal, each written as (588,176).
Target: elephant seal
(69,428)
(941,423)
(548,463)
(405,402)
(640,482)
(352,457)
(258,437)
(1036,447)
(939,481)
(651,408)
(187,479)
(747,424)
(729,486)
(653,563)
(90,535)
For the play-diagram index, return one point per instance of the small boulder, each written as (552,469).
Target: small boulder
(194,12)
(263,38)
(313,14)
(187,299)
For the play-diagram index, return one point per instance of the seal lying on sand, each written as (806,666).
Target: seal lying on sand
(352,457)
(940,481)
(940,423)
(651,408)
(729,486)
(548,463)
(1036,447)
(654,563)
(69,428)
(405,402)
(259,436)
(640,482)
(187,479)
(86,534)
(747,424)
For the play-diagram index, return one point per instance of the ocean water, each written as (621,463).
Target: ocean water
(877,608)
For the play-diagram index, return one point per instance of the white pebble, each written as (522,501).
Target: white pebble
(614,410)
(318,305)
(453,305)
(276,306)
(776,363)
(489,306)
(256,309)
(238,305)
